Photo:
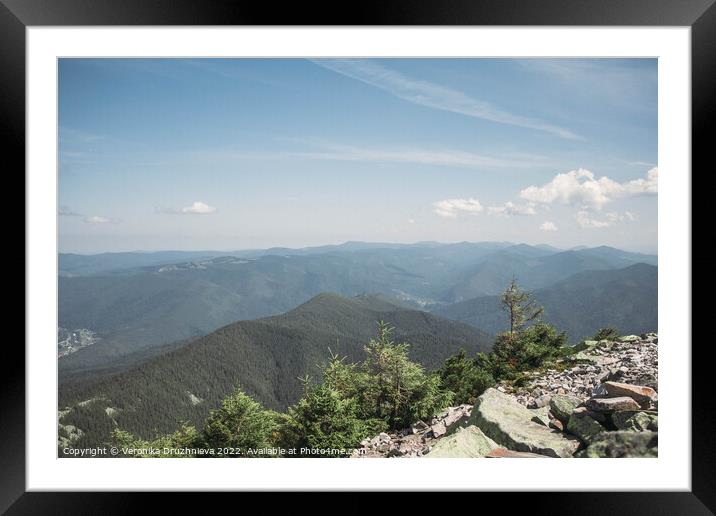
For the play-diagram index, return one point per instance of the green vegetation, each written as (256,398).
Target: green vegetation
(241,422)
(186,436)
(388,386)
(526,350)
(606,334)
(466,377)
(355,400)
(521,349)
(326,419)
(521,307)
(265,356)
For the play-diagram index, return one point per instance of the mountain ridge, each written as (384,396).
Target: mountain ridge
(266,356)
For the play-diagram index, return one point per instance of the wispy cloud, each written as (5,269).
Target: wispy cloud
(451,208)
(68,134)
(582,188)
(548,226)
(510,208)
(434,95)
(66,211)
(196,208)
(97,219)
(587,221)
(618,81)
(441,157)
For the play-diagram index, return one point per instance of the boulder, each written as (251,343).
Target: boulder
(636,421)
(439,429)
(643,395)
(630,338)
(510,424)
(540,415)
(468,442)
(562,406)
(611,404)
(622,444)
(584,427)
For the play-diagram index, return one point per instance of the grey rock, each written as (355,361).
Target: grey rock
(543,400)
(510,424)
(636,421)
(611,404)
(541,416)
(562,406)
(468,442)
(642,394)
(584,427)
(622,444)
(439,429)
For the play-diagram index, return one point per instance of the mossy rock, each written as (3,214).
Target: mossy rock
(468,442)
(562,406)
(584,427)
(622,444)
(636,421)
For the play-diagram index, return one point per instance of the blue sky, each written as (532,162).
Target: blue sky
(250,153)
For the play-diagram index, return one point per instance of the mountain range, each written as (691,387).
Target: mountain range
(138,304)
(172,333)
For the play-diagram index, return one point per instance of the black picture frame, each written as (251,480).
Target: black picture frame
(17,15)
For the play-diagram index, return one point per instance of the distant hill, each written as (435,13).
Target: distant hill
(140,308)
(266,356)
(625,298)
(536,267)
(70,264)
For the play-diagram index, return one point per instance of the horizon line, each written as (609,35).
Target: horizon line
(345,242)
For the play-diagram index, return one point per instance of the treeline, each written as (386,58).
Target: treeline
(354,400)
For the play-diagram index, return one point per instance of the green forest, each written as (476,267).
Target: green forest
(348,400)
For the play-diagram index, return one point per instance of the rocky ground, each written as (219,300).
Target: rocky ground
(599,402)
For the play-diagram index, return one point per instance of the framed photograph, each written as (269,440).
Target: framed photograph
(317,251)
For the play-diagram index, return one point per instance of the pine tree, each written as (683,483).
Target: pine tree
(521,307)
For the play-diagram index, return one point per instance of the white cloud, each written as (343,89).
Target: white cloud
(650,185)
(451,208)
(510,208)
(433,95)
(582,188)
(96,219)
(548,226)
(586,221)
(198,208)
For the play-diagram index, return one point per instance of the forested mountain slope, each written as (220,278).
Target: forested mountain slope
(266,356)
(581,304)
(136,309)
